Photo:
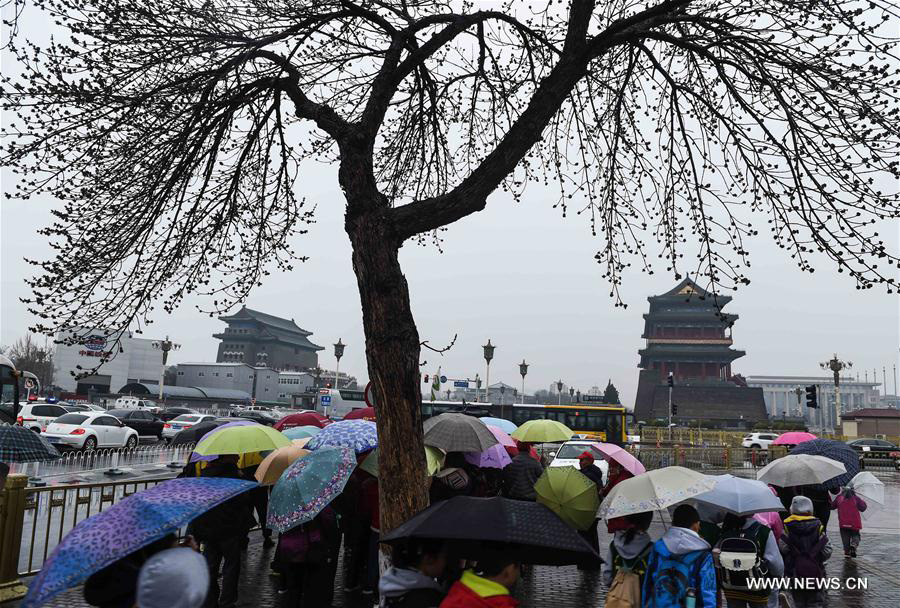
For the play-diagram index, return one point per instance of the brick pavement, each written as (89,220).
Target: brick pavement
(879,562)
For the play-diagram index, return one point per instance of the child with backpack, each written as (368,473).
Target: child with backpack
(748,551)
(626,562)
(680,571)
(805,548)
(849,506)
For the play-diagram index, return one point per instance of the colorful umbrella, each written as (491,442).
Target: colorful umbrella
(308,486)
(125,527)
(868,487)
(194,433)
(458,433)
(740,496)
(302,419)
(241,439)
(504,425)
(793,438)
(542,431)
(836,450)
(533,533)
(273,465)
(301,432)
(195,457)
(656,489)
(570,494)
(361,435)
(18,444)
(495,457)
(434,461)
(361,413)
(619,454)
(800,470)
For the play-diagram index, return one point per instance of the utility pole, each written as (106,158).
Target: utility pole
(799,392)
(488,355)
(559,385)
(523,369)
(671,382)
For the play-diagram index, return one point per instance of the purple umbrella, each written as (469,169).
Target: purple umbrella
(195,457)
(125,527)
(495,457)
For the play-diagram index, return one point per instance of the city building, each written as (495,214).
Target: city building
(871,422)
(130,360)
(889,401)
(780,394)
(688,336)
(258,382)
(261,340)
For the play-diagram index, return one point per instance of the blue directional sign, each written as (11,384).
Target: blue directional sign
(325,399)
(443,379)
(460,384)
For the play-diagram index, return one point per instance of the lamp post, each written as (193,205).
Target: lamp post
(502,398)
(523,370)
(165,346)
(836,366)
(488,355)
(559,385)
(571,394)
(477,386)
(338,353)
(799,392)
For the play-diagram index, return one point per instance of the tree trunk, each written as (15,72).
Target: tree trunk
(392,352)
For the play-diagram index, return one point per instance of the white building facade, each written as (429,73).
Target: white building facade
(77,365)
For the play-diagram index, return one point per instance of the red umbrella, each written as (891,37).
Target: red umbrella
(362,413)
(302,419)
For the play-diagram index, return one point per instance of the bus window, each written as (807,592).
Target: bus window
(597,421)
(614,428)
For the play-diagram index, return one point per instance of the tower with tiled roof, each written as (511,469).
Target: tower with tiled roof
(260,339)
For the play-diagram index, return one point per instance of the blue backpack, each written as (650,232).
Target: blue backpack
(672,576)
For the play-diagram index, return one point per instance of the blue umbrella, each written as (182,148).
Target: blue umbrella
(125,527)
(309,485)
(361,435)
(301,432)
(504,425)
(740,496)
(836,450)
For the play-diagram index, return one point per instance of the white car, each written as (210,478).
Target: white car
(568,453)
(185,421)
(36,416)
(759,441)
(88,431)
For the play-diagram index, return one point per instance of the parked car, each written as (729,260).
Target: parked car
(568,453)
(174,412)
(74,407)
(88,431)
(136,403)
(145,423)
(36,416)
(95,408)
(759,441)
(260,417)
(872,445)
(184,421)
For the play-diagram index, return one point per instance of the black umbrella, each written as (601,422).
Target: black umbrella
(473,526)
(836,450)
(195,433)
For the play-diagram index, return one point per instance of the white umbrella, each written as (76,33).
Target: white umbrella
(800,470)
(656,489)
(740,496)
(868,487)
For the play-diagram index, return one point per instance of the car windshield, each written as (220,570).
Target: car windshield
(573,450)
(187,418)
(75,419)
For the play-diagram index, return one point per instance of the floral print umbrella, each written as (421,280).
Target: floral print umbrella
(125,527)
(656,489)
(361,435)
(308,486)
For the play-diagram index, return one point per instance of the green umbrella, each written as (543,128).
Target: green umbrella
(434,460)
(242,439)
(570,494)
(542,431)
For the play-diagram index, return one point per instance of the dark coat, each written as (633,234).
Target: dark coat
(230,519)
(520,476)
(595,474)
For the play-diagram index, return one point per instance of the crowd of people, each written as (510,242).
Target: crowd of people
(681,568)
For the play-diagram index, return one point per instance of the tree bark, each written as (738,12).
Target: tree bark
(392,347)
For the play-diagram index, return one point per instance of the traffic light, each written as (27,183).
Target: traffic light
(671,379)
(425,379)
(812,398)
(674,409)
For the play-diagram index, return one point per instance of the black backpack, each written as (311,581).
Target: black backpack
(741,561)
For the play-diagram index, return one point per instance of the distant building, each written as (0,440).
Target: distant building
(131,360)
(871,422)
(689,337)
(259,382)
(781,398)
(892,401)
(258,339)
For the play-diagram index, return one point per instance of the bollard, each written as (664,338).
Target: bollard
(12,514)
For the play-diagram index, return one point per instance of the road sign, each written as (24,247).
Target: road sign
(325,399)
(593,398)
(461,384)
(29,383)
(443,379)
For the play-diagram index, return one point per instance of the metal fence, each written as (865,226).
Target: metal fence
(78,461)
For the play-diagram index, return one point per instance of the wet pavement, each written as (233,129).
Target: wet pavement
(878,564)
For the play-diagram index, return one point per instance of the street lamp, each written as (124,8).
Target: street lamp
(799,392)
(836,366)
(477,386)
(571,394)
(165,346)
(523,369)
(338,353)
(502,398)
(559,385)
(488,355)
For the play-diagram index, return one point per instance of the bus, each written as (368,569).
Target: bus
(602,422)
(337,403)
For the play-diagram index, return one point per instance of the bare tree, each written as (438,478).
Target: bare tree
(29,356)
(175,135)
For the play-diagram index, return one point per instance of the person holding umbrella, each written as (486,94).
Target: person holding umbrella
(849,506)
(521,475)
(627,555)
(414,579)
(805,548)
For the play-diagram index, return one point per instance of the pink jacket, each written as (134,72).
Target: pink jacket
(773,521)
(848,510)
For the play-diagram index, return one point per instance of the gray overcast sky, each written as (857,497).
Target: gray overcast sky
(522,276)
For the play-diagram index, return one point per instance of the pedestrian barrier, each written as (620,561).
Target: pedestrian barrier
(105,458)
(708,459)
